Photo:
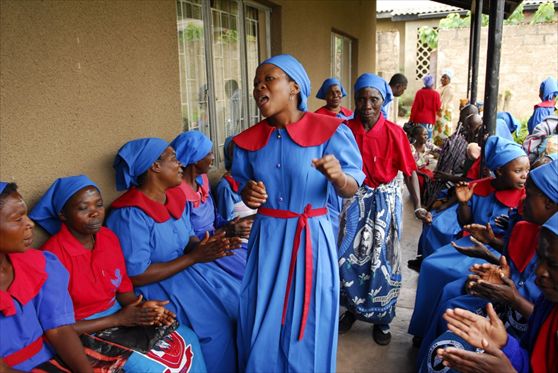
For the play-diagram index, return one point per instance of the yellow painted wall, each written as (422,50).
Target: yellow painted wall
(78,79)
(306,27)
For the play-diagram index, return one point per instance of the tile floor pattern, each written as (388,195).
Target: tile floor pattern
(357,351)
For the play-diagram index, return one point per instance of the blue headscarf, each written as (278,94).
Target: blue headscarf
(545,177)
(134,158)
(295,70)
(368,80)
(228,159)
(45,213)
(428,81)
(499,151)
(502,130)
(552,224)
(509,119)
(549,88)
(191,147)
(3,186)
(325,88)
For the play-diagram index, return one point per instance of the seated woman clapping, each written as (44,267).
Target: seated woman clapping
(72,210)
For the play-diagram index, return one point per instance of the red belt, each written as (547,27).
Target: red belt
(301,224)
(25,353)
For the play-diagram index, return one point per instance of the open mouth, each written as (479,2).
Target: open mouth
(262,100)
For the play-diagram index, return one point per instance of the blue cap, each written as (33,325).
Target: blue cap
(368,80)
(552,224)
(45,213)
(509,119)
(545,178)
(191,147)
(322,92)
(428,80)
(499,151)
(134,158)
(3,186)
(295,70)
(549,88)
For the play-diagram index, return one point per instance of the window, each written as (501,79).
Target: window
(221,43)
(341,62)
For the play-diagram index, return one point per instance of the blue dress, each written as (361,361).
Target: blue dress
(539,114)
(226,198)
(50,307)
(446,264)
(285,167)
(203,296)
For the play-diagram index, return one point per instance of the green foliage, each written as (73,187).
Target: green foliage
(228,36)
(516,17)
(453,20)
(428,36)
(521,132)
(545,13)
(192,32)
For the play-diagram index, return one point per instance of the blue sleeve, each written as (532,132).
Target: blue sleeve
(518,356)
(225,201)
(132,227)
(344,147)
(241,168)
(538,116)
(219,219)
(54,306)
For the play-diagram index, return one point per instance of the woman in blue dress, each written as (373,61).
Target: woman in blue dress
(547,93)
(194,151)
(480,202)
(163,257)
(290,295)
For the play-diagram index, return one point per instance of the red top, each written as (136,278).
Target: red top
(427,102)
(544,357)
(196,196)
(325,111)
(174,206)
(385,150)
(29,276)
(311,130)
(97,275)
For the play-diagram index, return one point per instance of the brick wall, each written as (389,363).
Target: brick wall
(529,55)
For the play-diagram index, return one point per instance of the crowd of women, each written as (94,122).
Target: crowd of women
(307,217)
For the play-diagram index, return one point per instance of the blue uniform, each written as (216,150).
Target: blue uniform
(42,302)
(226,199)
(203,296)
(285,167)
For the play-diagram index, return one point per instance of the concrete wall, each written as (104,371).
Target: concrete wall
(529,55)
(306,27)
(78,79)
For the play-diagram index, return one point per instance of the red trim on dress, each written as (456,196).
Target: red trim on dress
(508,197)
(232,182)
(196,197)
(547,103)
(544,357)
(522,243)
(174,206)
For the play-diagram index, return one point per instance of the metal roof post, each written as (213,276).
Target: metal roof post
(476,15)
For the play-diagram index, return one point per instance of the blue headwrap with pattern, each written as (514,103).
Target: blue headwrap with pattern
(322,92)
(134,158)
(549,88)
(428,80)
(499,151)
(191,147)
(45,213)
(368,80)
(509,119)
(295,70)
(545,178)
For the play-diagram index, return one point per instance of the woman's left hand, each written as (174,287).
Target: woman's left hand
(165,317)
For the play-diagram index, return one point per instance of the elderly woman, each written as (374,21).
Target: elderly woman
(370,224)
(444,117)
(72,211)
(194,151)
(290,294)
(333,92)
(164,258)
(426,105)
(547,93)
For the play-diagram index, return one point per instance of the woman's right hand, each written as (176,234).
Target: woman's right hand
(134,314)
(464,191)
(214,247)
(254,194)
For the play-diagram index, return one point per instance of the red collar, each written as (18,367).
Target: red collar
(325,111)
(72,245)
(508,197)
(548,103)
(311,130)
(29,276)
(522,244)
(175,205)
(356,125)
(232,182)
(196,196)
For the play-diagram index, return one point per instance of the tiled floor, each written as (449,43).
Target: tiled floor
(357,351)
